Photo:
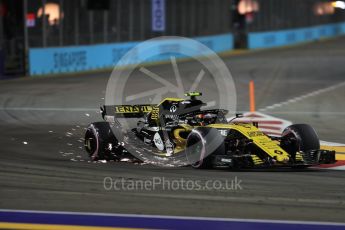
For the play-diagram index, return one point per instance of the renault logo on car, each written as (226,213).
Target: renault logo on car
(173,109)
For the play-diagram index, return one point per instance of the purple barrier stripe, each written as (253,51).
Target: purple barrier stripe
(157,222)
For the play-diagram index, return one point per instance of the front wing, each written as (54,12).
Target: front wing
(309,158)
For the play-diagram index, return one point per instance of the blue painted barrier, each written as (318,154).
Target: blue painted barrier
(293,36)
(35,219)
(83,58)
(57,60)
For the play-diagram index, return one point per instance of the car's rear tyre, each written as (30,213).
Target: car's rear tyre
(100,142)
(202,144)
(305,136)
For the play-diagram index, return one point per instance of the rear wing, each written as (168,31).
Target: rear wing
(126,111)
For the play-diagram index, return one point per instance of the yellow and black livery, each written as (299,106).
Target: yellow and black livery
(206,137)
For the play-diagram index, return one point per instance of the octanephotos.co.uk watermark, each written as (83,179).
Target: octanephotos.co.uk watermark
(162,183)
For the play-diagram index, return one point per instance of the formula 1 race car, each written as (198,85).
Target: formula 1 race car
(205,137)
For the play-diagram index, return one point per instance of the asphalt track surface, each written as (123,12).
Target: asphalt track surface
(43,166)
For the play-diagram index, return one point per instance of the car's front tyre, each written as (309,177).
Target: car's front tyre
(305,136)
(301,138)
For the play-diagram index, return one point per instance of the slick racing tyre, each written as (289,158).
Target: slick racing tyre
(305,136)
(202,144)
(100,142)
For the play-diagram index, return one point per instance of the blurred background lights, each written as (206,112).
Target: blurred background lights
(339,4)
(52,10)
(247,6)
(323,8)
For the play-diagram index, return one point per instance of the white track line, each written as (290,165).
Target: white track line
(302,97)
(331,144)
(342,168)
(336,113)
(48,109)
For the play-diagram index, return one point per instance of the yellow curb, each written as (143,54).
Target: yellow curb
(340,157)
(338,149)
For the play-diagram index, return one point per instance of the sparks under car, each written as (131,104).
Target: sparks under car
(206,138)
